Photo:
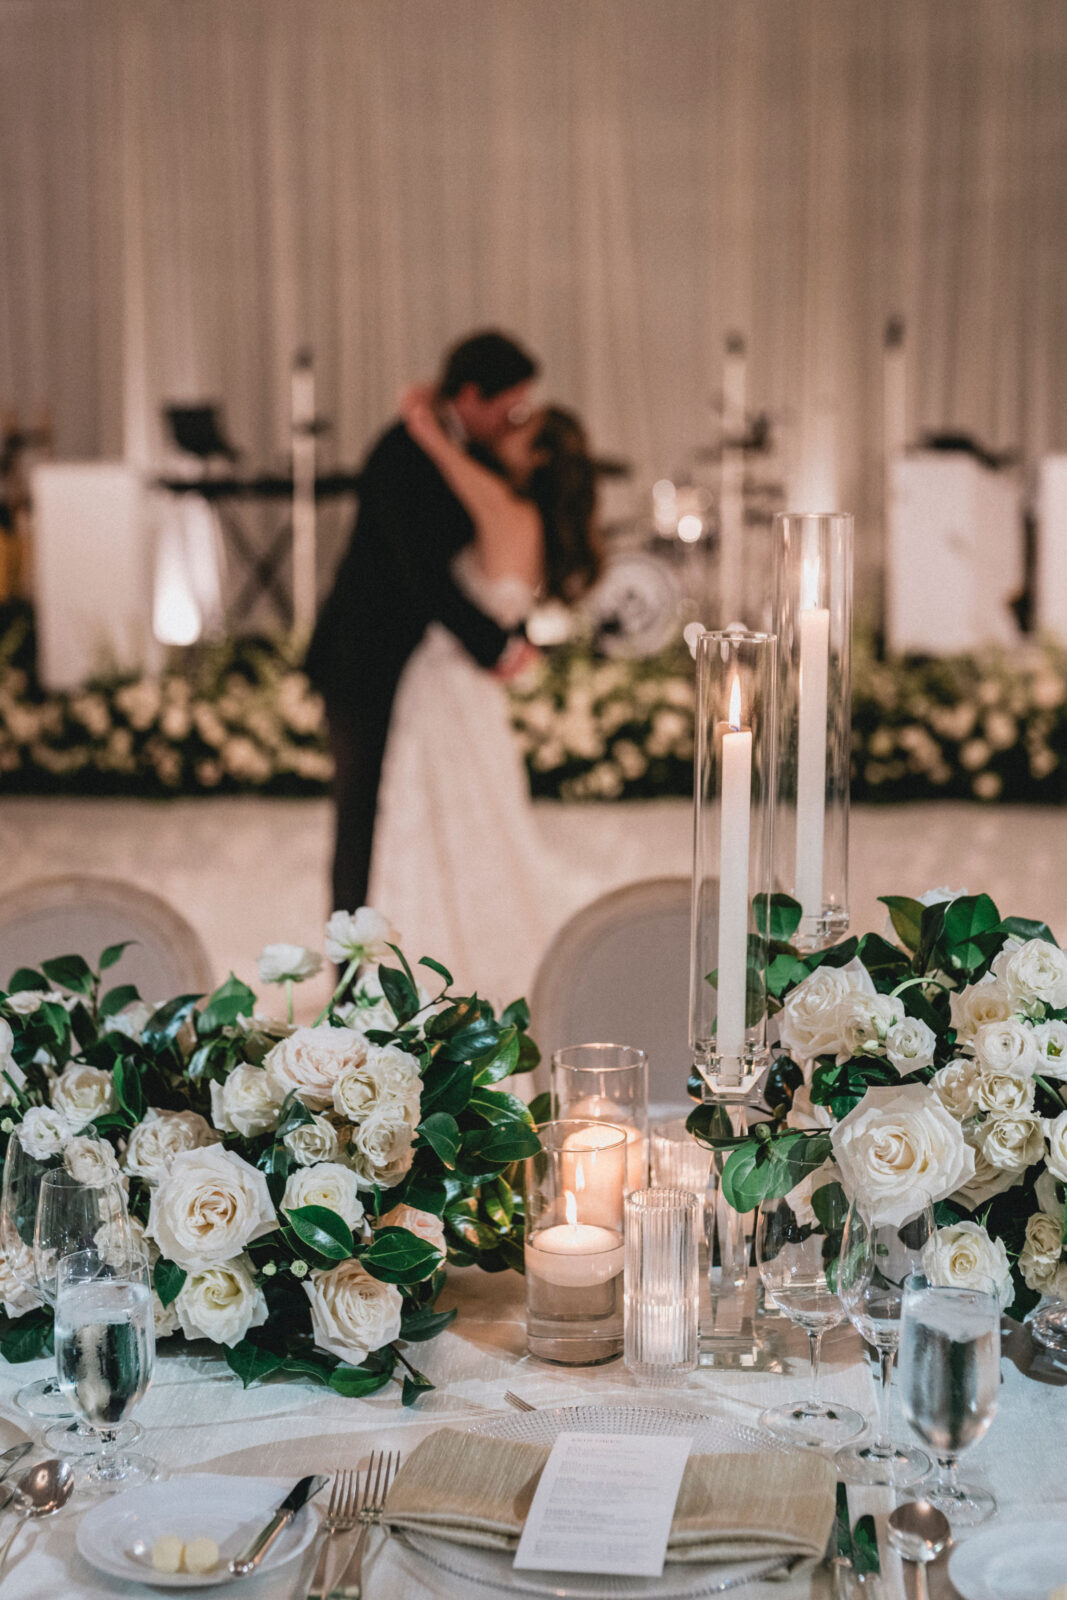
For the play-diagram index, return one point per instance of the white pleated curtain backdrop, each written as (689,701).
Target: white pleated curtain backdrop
(190,190)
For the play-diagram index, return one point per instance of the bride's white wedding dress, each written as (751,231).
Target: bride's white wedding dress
(458,866)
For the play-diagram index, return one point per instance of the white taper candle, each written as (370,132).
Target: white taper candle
(733,881)
(811,745)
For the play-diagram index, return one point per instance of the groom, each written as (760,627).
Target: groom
(395,578)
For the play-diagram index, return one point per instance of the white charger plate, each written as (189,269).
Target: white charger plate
(1011,1561)
(117,1535)
(493,1569)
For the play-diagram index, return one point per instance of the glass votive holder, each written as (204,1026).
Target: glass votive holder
(662,1284)
(574,1242)
(678,1161)
(607,1083)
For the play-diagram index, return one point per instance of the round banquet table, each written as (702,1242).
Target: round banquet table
(199,1419)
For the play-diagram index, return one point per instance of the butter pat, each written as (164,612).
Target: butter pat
(167,1553)
(201,1555)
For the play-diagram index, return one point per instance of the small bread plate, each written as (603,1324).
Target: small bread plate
(1011,1561)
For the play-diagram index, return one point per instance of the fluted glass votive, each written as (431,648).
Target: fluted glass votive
(662,1284)
(607,1083)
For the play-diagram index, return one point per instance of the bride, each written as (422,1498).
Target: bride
(457,863)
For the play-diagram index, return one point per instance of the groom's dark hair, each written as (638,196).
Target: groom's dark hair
(489,360)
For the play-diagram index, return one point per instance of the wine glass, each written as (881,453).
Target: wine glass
(798,1240)
(18,1214)
(876,1260)
(105,1352)
(950,1383)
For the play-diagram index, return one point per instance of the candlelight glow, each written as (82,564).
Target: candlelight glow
(735,705)
(570,1207)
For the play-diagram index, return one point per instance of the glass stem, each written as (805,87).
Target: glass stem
(946,1475)
(882,1443)
(814,1345)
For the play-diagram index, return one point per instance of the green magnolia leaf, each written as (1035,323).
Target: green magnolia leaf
(426,1194)
(323,1230)
(529,1054)
(830,1206)
(129,1090)
(933,920)
(883,960)
(441,1132)
(353,1382)
(164,1025)
(965,920)
(783,972)
(1024,928)
(398,1256)
(499,1202)
(501,1062)
(435,966)
(69,972)
(495,1105)
(115,1000)
(768,1169)
(447,1086)
(113,953)
(838,955)
(777,916)
(25,978)
(541,1107)
(413,1387)
(251,1362)
(906,916)
(400,992)
(294,1114)
(420,1325)
(168,1280)
(29,1337)
(502,1143)
(516,1015)
(230,1000)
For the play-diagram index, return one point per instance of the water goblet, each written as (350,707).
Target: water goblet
(798,1241)
(877,1257)
(43,1399)
(950,1383)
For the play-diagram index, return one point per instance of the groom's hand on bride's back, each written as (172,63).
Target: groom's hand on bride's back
(519,656)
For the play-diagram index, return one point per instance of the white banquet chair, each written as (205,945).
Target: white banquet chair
(81,914)
(618,970)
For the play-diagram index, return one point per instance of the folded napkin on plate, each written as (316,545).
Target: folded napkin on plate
(474,1490)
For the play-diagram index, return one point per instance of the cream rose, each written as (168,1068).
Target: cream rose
(1005,1047)
(287,963)
(1012,1143)
(1046,1193)
(1056,1134)
(863,1021)
(26,1001)
(387,1080)
(351,1312)
(82,1093)
(221,1303)
(910,1045)
(987,1180)
(154,1143)
(381,1151)
(423,1224)
(312,1059)
(208,1207)
(1050,1042)
(899,1148)
(327,1184)
(1005,1094)
(247,1103)
(363,935)
(313,1141)
(91,1161)
(43,1132)
(808,1022)
(15,1298)
(1034,974)
(1040,1257)
(956,1086)
(982,1002)
(130,1021)
(964,1256)
(9,1072)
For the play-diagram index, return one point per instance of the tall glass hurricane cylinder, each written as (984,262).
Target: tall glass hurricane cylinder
(813,618)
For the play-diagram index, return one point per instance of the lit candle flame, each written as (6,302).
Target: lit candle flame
(579,1177)
(735,705)
(570,1207)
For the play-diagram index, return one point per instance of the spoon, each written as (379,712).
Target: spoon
(919,1532)
(40,1492)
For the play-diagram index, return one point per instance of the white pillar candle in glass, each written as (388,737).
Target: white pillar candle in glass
(733,881)
(573,1254)
(811,742)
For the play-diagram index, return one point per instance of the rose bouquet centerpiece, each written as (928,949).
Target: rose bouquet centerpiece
(298,1190)
(928,1062)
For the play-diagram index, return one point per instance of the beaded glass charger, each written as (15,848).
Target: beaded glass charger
(493,1569)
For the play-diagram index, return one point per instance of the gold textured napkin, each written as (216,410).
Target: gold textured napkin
(475,1490)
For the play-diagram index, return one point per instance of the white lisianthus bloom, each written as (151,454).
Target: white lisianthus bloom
(312,1059)
(1050,1042)
(351,1312)
(381,1151)
(910,1045)
(956,1086)
(808,1021)
(130,1020)
(221,1303)
(1012,1143)
(12,1077)
(248,1102)
(82,1093)
(964,1256)
(91,1161)
(387,1080)
(1005,1047)
(15,1298)
(423,1224)
(1004,1093)
(328,1184)
(863,1021)
(363,935)
(26,1001)
(287,963)
(1034,974)
(899,1148)
(154,1143)
(43,1132)
(208,1208)
(313,1141)
(982,1002)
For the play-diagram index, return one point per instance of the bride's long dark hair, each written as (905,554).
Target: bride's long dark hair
(563,487)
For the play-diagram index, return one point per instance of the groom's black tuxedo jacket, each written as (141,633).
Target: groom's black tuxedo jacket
(395,578)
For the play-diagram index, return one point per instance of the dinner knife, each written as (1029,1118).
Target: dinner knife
(9,1459)
(250,1559)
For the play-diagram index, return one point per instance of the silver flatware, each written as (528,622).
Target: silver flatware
(516,1401)
(40,1492)
(919,1533)
(381,1470)
(340,1517)
(9,1459)
(294,1501)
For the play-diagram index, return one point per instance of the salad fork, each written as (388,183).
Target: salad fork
(380,1472)
(340,1517)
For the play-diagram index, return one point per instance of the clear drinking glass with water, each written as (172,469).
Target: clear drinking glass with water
(105,1352)
(950,1384)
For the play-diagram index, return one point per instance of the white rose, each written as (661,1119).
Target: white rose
(910,1044)
(1034,974)
(327,1184)
(982,1002)
(423,1224)
(82,1093)
(363,935)
(43,1132)
(1050,1042)
(351,1312)
(899,1148)
(313,1141)
(381,1150)
(165,1318)
(91,1161)
(863,1021)
(1044,1237)
(808,1021)
(312,1059)
(221,1303)
(116,1239)
(154,1143)
(208,1207)
(26,1001)
(129,1021)
(388,1080)
(1005,1094)
(963,1255)
(247,1103)
(1056,1134)
(15,1298)
(956,1086)
(281,963)
(1013,1142)
(1046,1193)
(803,1113)
(12,1077)
(987,1180)
(1005,1047)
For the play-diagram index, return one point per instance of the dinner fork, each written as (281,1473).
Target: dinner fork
(381,1469)
(518,1402)
(341,1517)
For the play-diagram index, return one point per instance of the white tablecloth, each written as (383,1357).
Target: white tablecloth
(200,1419)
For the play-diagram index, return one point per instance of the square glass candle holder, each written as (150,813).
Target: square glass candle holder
(662,1284)
(574,1242)
(607,1083)
(678,1161)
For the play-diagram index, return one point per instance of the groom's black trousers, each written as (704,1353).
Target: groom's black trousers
(357,743)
